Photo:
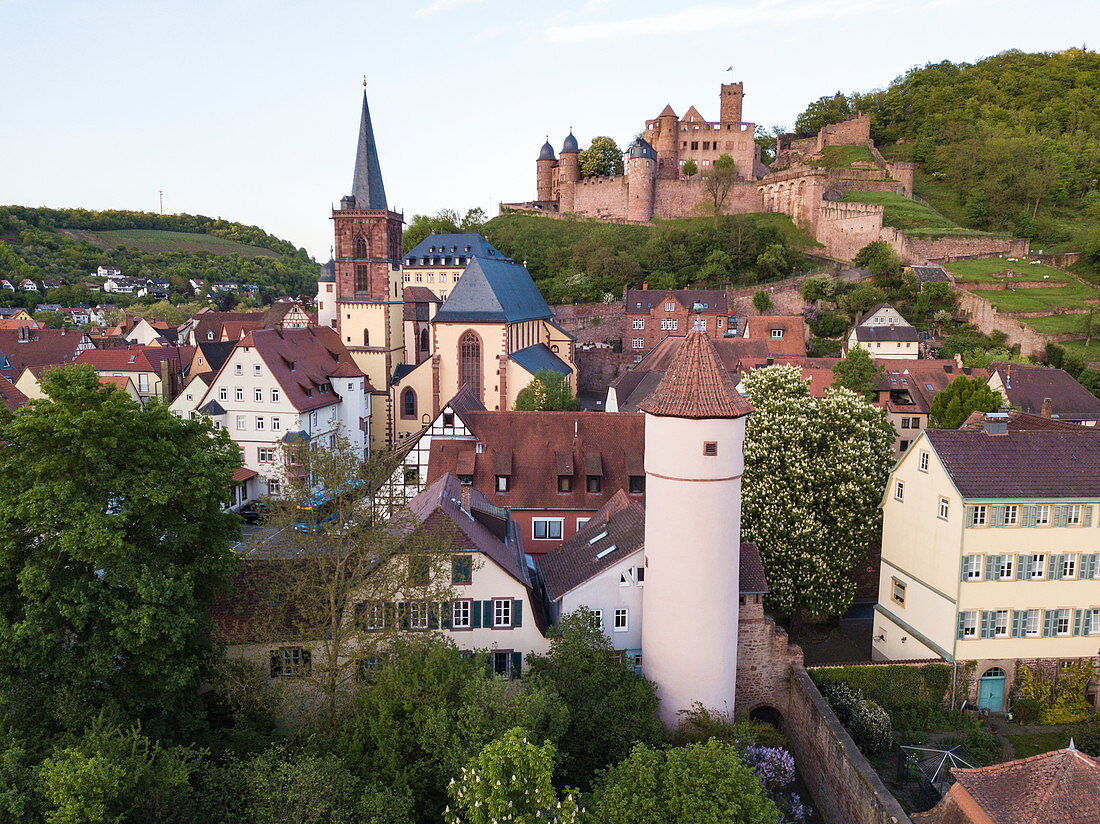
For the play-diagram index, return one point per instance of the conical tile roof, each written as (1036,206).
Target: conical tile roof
(695,385)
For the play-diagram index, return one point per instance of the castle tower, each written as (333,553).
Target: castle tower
(667,144)
(694,458)
(368,288)
(733,96)
(641,174)
(569,173)
(544,172)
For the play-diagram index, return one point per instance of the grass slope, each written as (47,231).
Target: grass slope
(838,157)
(1068,296)
(905,214)
(156,241)
(985,270)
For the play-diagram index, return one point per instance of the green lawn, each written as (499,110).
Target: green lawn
(1034,743)
(156,240)
(901,212)
(1069,296)
(985,269)
(1057,324)
(837,157)
(1089,354)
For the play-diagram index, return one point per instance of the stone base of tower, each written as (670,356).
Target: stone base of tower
(765,658)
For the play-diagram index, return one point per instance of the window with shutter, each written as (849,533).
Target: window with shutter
(998,516)
(987,623)
(1022,571)
(517,613)
(1019,621)
(1054,570)
(1061,515)
(1048,622)
(1029,516)
(1088,566)
(1000,623)
(1032,628)
(1011,515)
(517,664)
(1086,516)
(1004,570)
(1036,566)
(1078,620)
(992,567)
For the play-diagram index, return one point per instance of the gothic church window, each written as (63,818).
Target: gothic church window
(361,248)
(469,359)
(408,403)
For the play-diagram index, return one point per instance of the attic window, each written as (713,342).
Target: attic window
(466,480)
(596,539)
(565,483)
(594,483)
(133,358)
(605,552)
(503,482)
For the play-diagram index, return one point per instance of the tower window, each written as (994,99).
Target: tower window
(710,448)
(362,277)
(361,248)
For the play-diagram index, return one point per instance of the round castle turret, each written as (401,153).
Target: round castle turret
(569,172)
(544,172)
(641,172)
(667,144)
(694,458)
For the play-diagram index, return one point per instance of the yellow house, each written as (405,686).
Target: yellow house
(494,332)
(991,552)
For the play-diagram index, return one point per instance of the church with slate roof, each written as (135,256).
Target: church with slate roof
(489,329)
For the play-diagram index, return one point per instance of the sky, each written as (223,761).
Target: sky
(248,109)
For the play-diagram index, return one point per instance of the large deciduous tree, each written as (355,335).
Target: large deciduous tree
(113,543)
(962,396)
(815,469)
(822,112)
(602,158)
(718,180)
(548,391)
(858,372)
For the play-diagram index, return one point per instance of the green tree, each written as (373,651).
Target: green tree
(822,112)
(815,469)
(422,714)
(860,299)
(684,785)
(859,373)
(772,263)
(689,169)
(818,288)
(880,259)
(113,776)
(511,780)
(444,222)
(762,301)
(610,708)
(54,320)
(548,391)
(601,159)
(473,220)
(962,396)
(718,180)
(113,543)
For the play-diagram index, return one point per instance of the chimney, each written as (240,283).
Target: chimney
(1048,408)
(995,423)
(645,284)
(466,497)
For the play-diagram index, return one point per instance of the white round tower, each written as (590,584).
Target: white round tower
(694,458)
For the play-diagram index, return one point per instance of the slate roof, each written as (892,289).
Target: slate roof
(641,148)
(547,152)
(1021,464)
(367,187)
(643,300)
(215,352)
(570,144)
(1020,422)
(930,274)
(619,525)
(466,400)
(696,385)
(541,446)
(538,357)
(1060,787)
(445,496)
(493,291)
(451,245)
(1028,386)
(886,332)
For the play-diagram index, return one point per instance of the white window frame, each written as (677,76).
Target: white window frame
(1063,617)
(1092,615)
(1001,630)
(777,333)
(945,508)
(897,591)
(547,521)
(970,624)
(637,323)
(979,515)
(899,490)
(1006,568)
(275,396)
(621,620)
(258,395)
(502,613)
(597,614)
(276,424)
(923,467)
(238,369)
(1069,567)
(265,454)
(1073,515)
(238,393)
(418,614)
(973,567)
(1042,515)
(669,307)
(242,423)
(637,343)
(376,616)
(1033,624)
(223,393)
(1014,511)
(257,370)
(462,614)
(260,423)
(1038,567)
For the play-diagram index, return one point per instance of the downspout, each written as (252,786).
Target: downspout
(958,599)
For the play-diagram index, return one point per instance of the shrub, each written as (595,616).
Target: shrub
(895,687)
(1087,736)
(1060,694)
(870,727)
(842,698)
(983,746)
(1026,711)
(823,348)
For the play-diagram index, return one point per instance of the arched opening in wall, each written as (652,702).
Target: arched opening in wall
(408,404)
(423,340)
(469,361)
(366,337)
(361,248)
(768,715)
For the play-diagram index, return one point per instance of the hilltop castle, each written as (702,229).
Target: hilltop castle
(804,181)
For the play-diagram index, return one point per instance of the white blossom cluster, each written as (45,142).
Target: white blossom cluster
(815,469)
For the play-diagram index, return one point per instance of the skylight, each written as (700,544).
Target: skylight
(597,538)
(604,552)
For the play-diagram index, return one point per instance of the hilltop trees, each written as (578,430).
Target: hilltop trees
(113,543)
(602,158)
(814,473)
(444,222)
(718,180)
(822,112)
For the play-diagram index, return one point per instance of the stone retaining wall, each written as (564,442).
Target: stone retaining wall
(982,314)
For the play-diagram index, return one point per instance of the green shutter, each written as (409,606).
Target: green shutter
(307,662)
(962,567)
(403,614)
(517,613)
(987,623)
(1086,516)
(968,517)
(1088,567)
(1054,567)
(1028,516)
(1019,617)
(475,614)
(1078,617)
(1061,515)
(1021,567)
(517,663)
(446,610)
(961,626)
(991,564)
(1086,625)
(1048,622)
(433,615)
(998,518)
(487,609)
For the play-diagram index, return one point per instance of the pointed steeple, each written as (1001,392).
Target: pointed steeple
(367,187)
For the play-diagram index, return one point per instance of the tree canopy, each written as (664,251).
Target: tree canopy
(858,372)
(962,396)
(815,469)
(548,391)
(601,159)
(822,112)
(444,222)
(113,543)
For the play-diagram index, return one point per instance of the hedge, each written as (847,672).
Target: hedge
(895,687)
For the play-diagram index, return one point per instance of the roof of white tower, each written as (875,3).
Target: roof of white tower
(695,385)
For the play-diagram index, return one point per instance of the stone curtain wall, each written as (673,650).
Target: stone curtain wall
(765,658)
(686,197)
(955,247)
(845,788)
(597,368)
(600,197)
(591,322)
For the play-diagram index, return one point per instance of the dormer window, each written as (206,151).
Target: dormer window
(565,483)
(594,483)
(777,333)
(503,482)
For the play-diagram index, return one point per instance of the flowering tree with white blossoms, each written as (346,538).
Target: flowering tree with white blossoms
(510,781)
(815,470)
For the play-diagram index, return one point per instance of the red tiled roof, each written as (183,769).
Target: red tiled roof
(118,381)
(243,473)
(1060,787)
(38,347)
(643,300)
(535,440)
(303,361)
(128,359)
(695,385)
(1028,386)
(12,397)
(793,342)
(236,329)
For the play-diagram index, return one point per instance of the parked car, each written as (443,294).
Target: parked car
(255,512)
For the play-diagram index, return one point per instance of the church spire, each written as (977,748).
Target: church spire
(367,187)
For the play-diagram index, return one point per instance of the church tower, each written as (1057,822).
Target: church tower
(694,458)
(368,287)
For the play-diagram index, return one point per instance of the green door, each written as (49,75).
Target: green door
(991,692)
